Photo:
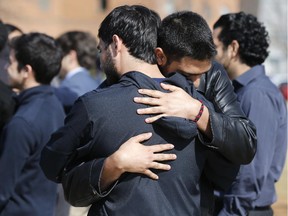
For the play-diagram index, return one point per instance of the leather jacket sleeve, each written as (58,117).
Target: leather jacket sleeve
(234,135)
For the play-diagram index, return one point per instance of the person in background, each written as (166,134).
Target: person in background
(78,63)
(7,103)
(242,46)
(35,59)
(12,31)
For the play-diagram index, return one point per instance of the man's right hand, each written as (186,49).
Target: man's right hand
(135,157)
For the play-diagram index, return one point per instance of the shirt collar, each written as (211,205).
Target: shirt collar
(248,76)
(30,93)
(74,71)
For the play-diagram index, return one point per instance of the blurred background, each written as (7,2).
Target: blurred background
(54,17)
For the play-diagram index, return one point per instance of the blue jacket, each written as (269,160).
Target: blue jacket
(24,189)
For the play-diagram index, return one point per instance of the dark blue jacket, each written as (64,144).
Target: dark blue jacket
(24,189)
(101,121)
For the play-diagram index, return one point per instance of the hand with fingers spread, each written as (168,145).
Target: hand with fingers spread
(135,157)
(177,103)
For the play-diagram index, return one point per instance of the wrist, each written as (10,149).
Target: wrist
(200,112)
(114,162)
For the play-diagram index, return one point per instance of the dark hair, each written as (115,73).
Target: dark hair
(186,34)
(251,35)
(3,35)
(83,43)
(41,52)
(137,26)
(11,28)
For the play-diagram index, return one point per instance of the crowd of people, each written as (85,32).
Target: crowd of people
(185,123)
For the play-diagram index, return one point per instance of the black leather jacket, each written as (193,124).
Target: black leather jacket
(234,135)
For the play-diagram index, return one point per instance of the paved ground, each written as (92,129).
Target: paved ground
(280,207)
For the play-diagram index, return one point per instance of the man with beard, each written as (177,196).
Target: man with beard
(101,120)
(242,43)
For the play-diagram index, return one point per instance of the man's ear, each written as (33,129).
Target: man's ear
(160,56)
(27,71)
(234,48)
(72,55)
(116,43)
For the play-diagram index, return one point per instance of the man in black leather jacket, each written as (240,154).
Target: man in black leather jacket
(229,133)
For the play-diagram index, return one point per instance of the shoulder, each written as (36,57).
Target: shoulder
(19,125)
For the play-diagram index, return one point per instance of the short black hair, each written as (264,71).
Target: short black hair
(251,35)
(41,52)
(137,26)
(186,34)
(3,35)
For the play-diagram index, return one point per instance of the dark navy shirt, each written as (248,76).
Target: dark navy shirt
(24,189)
(264,105)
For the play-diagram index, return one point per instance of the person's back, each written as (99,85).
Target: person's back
(242,43)
(24,188)
(261,86)
(116,120)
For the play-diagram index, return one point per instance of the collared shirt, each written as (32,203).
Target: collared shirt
(80,81)
(264,105)
(74,71)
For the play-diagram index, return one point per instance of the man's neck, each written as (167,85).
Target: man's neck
(150,70)
(237,70)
